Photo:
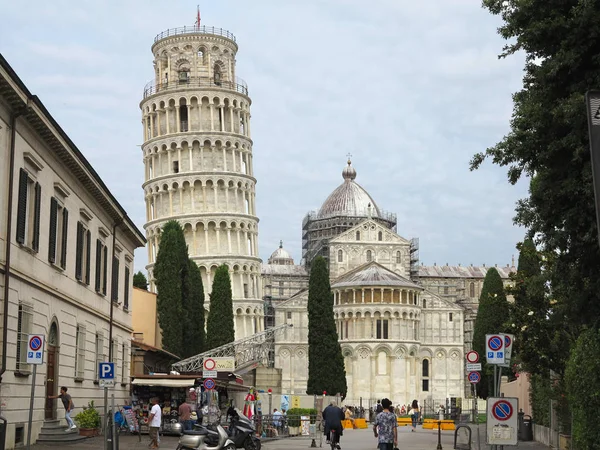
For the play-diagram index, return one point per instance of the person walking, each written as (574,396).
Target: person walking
(333,416)
(69,406)
(414,414)
(385,427)
(154,422)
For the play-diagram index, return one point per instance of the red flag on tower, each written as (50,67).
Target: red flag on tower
(198,17)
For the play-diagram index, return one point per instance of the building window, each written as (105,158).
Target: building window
(28,212)
(124,368)
(380,236)
(99,353)
(59,225)
(114,285)
(83,253)
(340,256)
(472,290)
(245,290)
(369,255)
(24,328)
(101,266)
(175,166)
(126,291)
(382,329)
(289,315)
(358,235)
(424,303)
(445,288)
(450,317)
(80,352)
(398,257)
(425,375)
(281,288)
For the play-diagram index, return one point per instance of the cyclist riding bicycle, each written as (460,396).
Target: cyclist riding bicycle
(333,416)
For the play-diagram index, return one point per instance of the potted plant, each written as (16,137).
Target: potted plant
(88,421)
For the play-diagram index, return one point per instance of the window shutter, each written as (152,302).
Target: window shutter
(79,251)
(105,270)
(115,279)
(52,243)
(88,256)
(35,242)
(65,235)
(98,262)
(126,293)
(22,206)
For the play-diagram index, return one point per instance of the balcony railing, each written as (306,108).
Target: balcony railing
(196,82)
(194,29)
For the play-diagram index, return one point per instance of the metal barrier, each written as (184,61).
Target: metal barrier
(286,426)
(462,445)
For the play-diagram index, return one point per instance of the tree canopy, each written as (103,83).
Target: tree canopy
(140,281)
(220,327)
(325,360)
(194,336)
(492,314)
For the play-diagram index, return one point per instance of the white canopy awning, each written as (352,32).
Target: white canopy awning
(168,382)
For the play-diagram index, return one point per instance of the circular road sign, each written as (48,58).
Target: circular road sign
(495,343)
(474,377)
(507,341)
(209,364)
(472,357)
(35,343)
(209,384)
(502,410)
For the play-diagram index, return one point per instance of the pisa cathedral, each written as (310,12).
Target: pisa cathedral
(404,327)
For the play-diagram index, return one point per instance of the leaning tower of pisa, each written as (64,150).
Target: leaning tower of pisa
(198,162)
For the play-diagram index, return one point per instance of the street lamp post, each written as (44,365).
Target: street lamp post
(592,101)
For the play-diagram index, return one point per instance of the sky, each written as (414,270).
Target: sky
(412,90)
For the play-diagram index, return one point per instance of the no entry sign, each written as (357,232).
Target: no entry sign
(472,357)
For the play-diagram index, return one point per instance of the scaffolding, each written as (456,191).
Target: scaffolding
(414,259)
(256,349)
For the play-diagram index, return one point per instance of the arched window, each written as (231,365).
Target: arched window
(472,290)
(380,236)
(369,255)
(425,375)
(398,257)
(340,256)
(358,235)
(217,75)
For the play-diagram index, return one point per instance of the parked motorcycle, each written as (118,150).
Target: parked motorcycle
(242,431)
(205,439)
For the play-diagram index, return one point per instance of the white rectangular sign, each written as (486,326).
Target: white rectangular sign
(224,364)
(494,348)
(473,367)
(508,345)
(209,374)
(35,348)
(502,420)
(106,383)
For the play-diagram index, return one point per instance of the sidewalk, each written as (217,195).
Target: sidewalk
(126,442)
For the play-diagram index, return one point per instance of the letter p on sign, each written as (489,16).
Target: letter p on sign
(107,371)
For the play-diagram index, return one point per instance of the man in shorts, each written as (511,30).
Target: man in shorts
(154,422)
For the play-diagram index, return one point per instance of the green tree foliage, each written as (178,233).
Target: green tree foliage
(492,314)
(169,272)
(325,361)
(220,329)
(194,336)
(583,386)
(548,142)
(140,281)
(530,312)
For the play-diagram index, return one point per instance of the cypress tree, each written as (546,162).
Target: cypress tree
(194,336)
(169,271)
(492,314)
(326,370)
(219,330)
(140,281)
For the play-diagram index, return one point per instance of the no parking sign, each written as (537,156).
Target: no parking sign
(35,349)
(502,421)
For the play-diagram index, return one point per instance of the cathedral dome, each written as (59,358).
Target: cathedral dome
(349,199)
(281,257)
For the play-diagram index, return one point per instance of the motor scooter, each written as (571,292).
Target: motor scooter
(200,439)
(242,431)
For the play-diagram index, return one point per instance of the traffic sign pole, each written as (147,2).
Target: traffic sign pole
(35,356)
(31,407)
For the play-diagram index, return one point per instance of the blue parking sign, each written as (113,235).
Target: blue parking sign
(106,370)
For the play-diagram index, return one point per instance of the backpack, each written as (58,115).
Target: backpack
(379,408)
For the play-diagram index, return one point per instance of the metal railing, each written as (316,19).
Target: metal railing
(195,82)
(282,426)
(194,29)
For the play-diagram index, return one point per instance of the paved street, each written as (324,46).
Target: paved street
(352,440)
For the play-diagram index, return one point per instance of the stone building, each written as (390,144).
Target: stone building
(402,326)
(66,261)
(197,155)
